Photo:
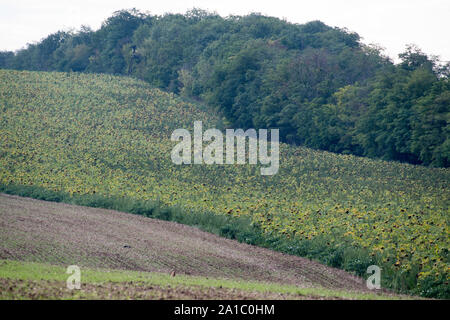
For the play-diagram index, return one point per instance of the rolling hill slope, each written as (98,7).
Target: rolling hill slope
(61,234)
(65,234)
(85,133)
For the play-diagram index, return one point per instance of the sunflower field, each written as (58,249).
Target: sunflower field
(87,134)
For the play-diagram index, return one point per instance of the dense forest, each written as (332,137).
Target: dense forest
(320,85)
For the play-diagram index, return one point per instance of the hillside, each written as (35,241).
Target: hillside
(86,134)
(47,232)
(320,85)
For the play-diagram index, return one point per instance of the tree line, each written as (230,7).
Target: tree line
(319,85)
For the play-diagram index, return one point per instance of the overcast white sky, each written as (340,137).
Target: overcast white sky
(389,23)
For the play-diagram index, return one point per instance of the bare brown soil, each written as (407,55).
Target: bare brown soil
(40,231)
(26,289)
